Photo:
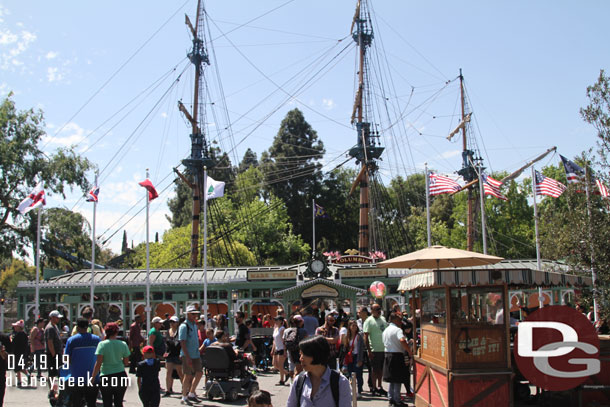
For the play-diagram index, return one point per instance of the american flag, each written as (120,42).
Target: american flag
(574,172)
(492,187)
(603,190)
(548,186)
(442,185)
(92,195)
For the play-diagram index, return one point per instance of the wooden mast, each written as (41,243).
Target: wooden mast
(199,154)
(467,164)
(367,150)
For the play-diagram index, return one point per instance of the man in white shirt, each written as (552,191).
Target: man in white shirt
(395,371)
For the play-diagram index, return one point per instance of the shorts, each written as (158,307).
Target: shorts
(377,361)
(294,358)
(193,368)
(174,359)
(279,352)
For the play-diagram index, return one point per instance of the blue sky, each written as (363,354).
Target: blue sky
(527,65)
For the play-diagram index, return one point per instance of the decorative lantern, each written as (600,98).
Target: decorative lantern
(378,289)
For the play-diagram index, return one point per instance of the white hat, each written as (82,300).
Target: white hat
(55,314)
(174,318)
(156,319)
(192,308)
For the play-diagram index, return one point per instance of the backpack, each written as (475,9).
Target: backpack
(334,386)
(291,339)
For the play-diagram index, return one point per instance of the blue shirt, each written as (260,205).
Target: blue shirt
(188,332)
(324,396)
(208,342)
(310,324)
(81,349)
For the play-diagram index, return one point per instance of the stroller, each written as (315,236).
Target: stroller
(262,357)
(226,378)
(60,397)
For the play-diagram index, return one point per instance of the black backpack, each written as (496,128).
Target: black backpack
(292,339)
(334,386)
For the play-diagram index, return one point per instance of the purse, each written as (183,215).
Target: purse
(349,356)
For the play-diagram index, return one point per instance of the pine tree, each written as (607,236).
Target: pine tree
(124,246)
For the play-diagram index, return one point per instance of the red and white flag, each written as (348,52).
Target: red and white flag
(603,190)
(548,186)
(492,187)
(33,201)
(152,192)
(440,184)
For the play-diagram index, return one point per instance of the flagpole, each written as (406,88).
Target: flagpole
(313,213)
(593,271)
(427,180)
(205,244)
(38,264)
(147,263)
(93,249)
(538,260)
(483,223)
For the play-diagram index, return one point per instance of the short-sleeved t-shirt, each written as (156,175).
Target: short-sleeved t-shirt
(81,349)
(114,351)
(375,327)
(51,333)
(391,339)
(243,333)
(149,375)
(158,343)
(188,332)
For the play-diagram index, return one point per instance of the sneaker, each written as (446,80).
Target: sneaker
(192,398)
(382,392)
(185,401)
(167,394)
(280,383)
(410,394)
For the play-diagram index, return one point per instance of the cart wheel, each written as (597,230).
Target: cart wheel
(231,395)
(253,387)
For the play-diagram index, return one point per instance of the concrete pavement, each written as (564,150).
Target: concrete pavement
(37,396)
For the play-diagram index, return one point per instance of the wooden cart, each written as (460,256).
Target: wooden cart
(463,357)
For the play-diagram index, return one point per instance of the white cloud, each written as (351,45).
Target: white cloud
(70,135)
(53,74)
(51,55)
(328,104)
(451,153)
(164,115)
(12,46)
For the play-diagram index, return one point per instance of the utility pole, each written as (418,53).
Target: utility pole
(199,152)
(367,149)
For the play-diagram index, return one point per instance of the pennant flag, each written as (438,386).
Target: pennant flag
(574,172)
(548,186)
(320,212)
(92,195)
(440,184)
(492,187)
(603,190)
(34,200)
(216,189)
(152,192)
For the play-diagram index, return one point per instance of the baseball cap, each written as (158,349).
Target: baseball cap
(192,308)
(148,349)
(156,319)
(174,318)
(55,314)
(19,323)
(297,317)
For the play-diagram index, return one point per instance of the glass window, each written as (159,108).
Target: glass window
(477,305)
(433,307)
(116,296)
(223,295)
(157,296)
(138,295)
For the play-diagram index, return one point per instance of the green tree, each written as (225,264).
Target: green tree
(124,246)
(292,169)
(22,164)
(12,273)
(248,161)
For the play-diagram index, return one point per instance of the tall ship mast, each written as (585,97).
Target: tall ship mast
(367,149)
(199,157)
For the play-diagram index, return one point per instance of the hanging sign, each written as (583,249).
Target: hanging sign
(257,275)
(319,290)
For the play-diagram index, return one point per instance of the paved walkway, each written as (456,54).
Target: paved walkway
(37,396)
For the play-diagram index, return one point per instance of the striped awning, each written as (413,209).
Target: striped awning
(513,277)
